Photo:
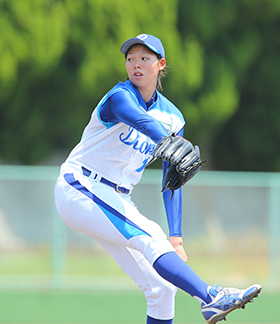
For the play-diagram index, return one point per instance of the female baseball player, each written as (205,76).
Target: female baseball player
(93,190)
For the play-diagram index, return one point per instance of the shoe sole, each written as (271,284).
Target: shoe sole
(220,317)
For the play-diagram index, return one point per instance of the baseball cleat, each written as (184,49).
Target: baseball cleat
(225,300)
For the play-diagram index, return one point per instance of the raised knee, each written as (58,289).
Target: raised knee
(160,301)
(165,291)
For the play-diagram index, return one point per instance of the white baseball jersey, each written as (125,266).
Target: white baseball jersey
(119,152)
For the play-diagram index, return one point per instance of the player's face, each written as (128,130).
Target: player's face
(143,67)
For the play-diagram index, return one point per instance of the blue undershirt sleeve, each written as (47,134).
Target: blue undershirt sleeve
(173,207)
(122,107)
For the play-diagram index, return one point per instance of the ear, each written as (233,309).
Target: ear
(162,64)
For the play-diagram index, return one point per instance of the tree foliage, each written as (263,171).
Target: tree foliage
(252,135)
(239,46)
(59,57)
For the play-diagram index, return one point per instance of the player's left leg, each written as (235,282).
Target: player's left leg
(216,302)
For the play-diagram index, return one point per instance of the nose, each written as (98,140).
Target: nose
(137,65)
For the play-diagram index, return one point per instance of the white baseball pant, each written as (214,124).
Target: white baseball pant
(115,223)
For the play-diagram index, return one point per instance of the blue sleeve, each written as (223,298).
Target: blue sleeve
(173,207)
(122,107)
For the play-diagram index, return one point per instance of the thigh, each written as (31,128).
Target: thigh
(99,211)
(81,213)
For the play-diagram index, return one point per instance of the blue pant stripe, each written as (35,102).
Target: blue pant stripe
(126,227)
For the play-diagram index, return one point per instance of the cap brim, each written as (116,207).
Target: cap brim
(134,41)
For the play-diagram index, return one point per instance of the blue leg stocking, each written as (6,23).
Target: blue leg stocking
(172,268)
(151,320)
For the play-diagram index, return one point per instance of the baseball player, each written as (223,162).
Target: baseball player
(93,190)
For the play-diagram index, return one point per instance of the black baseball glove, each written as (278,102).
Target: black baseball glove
(184,161)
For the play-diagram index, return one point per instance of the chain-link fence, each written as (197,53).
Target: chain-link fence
(231,231)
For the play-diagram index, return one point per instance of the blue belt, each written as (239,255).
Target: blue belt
(87,173)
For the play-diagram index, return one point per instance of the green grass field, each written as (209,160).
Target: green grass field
(110,297)
(62,307)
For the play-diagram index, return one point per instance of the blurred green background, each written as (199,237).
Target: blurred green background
(59,57)
(57,60)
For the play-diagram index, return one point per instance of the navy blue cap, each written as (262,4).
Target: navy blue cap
(152,42)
